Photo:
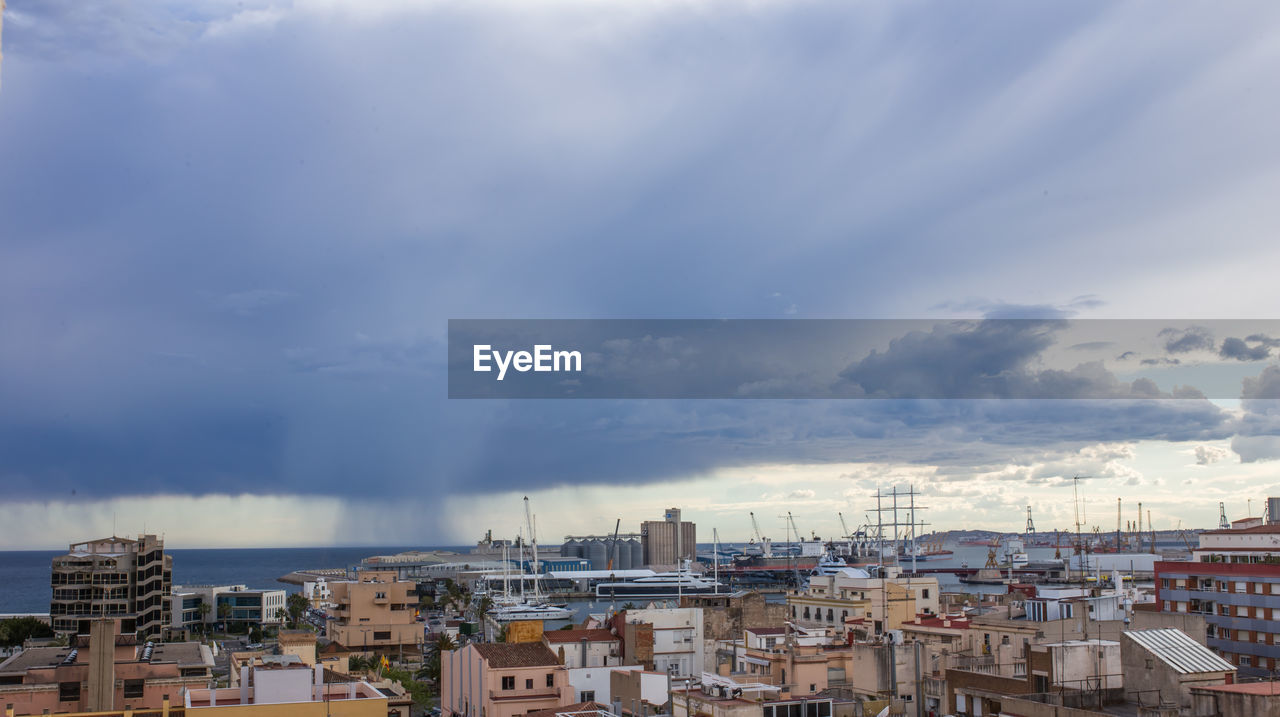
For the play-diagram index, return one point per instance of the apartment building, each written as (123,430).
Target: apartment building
(502,680)
(585,648)
(101,672)
(1233,581)
(871,606)
(662,639)
(113,578)
(376,612)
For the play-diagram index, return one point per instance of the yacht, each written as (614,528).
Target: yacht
(530,611)
(659,585)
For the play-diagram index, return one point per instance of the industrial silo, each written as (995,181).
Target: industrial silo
(571,549)
(597,553)
(623,561)
(637,553)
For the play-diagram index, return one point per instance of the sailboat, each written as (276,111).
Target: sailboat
(526,607)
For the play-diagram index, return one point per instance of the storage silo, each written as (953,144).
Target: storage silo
(637,553)
(571,549)
(623,559)
(597,553)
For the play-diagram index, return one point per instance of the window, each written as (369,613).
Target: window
(551,681)
(1150,664)
(509,682)
(133,688)
(813,687)
(1165,583)
(1246,661)
(528,684)
(925,593)
(68,691)
(587,696)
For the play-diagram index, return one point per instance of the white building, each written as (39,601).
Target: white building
(677,638)
(227,604)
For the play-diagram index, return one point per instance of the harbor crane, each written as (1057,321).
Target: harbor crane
(613,545)
(766,549)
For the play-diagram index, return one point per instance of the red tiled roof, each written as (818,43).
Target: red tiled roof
(590,635)
(504,655)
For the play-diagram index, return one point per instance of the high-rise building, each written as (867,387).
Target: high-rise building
(668,541)
(112,577)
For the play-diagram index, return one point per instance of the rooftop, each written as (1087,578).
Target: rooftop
(503,655)
(596,635)
(1247,688)
(1176,649)
(1264,528)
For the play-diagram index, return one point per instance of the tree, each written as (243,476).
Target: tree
(224,612)
(483,606)
(16,630)
(204,615)
(431,666)
(297,605)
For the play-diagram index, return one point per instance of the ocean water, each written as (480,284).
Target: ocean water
(24,574)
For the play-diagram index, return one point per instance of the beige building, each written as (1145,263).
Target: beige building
(287,690)
(502,680)
(116,578)
(101,672)
(866,605)
(375,613)
(669,541)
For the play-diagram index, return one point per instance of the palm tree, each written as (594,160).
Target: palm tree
(483,606)
(204,616)
(441,644)
(224,612)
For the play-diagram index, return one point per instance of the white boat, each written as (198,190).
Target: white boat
(530,611)
(659,585)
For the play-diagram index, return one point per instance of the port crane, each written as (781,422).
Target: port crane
(766,549)
(613,545)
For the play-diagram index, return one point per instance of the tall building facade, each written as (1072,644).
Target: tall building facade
(112,577)
(668,541)
(375,612)
(1233,580)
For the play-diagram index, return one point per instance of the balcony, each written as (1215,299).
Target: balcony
(522,693)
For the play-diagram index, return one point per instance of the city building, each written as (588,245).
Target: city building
(1250,699)
(102,671)
(376,612)
(585,648)
(502,680)
(116,578)
(726,615)
(670,541)
(1233,581)
(662,639)
(850,600)
(1161,667)
(235,606)
(287,689)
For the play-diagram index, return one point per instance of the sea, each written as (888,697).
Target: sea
(24,574)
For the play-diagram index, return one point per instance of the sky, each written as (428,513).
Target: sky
(232,235)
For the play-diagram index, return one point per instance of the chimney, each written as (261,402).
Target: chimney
(102,666)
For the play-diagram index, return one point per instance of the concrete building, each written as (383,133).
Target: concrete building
(502,680)
(1076,674)
(670,541)
(1252,699)
(115,578)
(102,671)
(871,606)
(726,615)
(235,606)
(1162,666)
(639,692)
(287,690)
(662,639)
(585,648)
(377,612)
(1233,581)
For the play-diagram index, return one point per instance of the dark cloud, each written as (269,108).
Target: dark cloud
(983,359)
(1238,349)
(272,223)
(1162,361)
(1180,341)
